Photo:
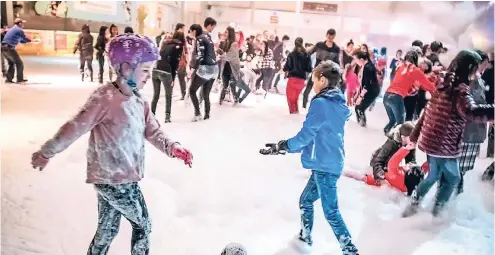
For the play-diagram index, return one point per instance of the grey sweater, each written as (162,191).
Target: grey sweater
(476,132)
(232,56)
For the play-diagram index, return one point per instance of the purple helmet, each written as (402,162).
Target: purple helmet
(132,49)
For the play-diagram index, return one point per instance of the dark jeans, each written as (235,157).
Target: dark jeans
(206,85)
(181,75)
(360,109)
(394,105)
(266,76)
(489,149)
(4,68)
(227,78)
(15,63)
(88,62)
(324,185)
(101,66)
(277,79)
(307,90)
(410,104)
(115,201)
(158,78)
(420,105)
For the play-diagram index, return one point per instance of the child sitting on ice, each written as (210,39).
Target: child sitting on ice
(397,138)
(119,120)
(404,178)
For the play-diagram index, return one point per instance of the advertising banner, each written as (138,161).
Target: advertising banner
(119,12)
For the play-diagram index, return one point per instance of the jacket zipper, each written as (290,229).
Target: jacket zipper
(313,151)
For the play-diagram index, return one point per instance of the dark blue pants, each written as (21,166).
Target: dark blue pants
(324,185)
(394,105)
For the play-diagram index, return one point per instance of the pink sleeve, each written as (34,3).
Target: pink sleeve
(155,135)
(92,113)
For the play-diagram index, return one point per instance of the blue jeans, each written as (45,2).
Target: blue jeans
(323,185)
(444,170)
(394,105)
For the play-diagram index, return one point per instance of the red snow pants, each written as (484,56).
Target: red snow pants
(294,88)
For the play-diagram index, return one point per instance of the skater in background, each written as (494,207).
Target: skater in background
(352,83)
(297,66)
(205,65)
(488,77)
(266,66)
(84,44)
(408,79)
(325,50)
(113,31)
(279,57)
(166,70)
(474,133)
(230,65)
(4,61)
(182,69)
(369,90)
(321,144)
(101,42)
(423,97)
(12,38)
(119,120)
(441,127)
(394,63)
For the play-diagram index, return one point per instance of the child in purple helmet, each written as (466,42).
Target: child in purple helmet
(119,120)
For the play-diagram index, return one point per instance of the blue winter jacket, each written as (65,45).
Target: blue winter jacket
(321,139)
(14,36)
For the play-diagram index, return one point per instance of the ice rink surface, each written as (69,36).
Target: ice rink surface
(232,193)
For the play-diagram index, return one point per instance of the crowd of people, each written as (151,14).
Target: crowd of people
(441,109)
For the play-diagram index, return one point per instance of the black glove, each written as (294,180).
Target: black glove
(275,148)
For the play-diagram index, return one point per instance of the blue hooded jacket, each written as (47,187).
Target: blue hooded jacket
(321,139)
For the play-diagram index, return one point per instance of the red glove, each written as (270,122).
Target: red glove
(182,154)
(38,161)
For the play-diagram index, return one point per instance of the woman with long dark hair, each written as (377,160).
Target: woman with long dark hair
(101,42)
(396,61)
(84,44)
(166,70)
(440,130)
(230,65)
(297,66)
(266,67)
(113,31)
(408,78)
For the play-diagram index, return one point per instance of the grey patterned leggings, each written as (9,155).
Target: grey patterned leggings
(115,201)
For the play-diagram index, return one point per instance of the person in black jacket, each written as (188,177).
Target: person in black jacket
(204,63)
(2,34)
(166,70)
(397,138)
(370,87)
(297,66)
(488,78)
(101,42)
(84,44)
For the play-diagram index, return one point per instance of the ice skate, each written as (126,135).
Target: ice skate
(167,118)
(197,118)
(300,245)
(410,210)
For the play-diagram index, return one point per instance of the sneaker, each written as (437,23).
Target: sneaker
(362,123)
(167,119)
(22,81)
(302,246)
(9,81)
(196,118)
(207,116)
(410,210)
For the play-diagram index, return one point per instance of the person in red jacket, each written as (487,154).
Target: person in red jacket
(407,76)
(440,130)
(403,178)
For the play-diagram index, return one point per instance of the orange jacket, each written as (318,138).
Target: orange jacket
(395,173)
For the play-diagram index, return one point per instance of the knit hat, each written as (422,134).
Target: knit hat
(234,249)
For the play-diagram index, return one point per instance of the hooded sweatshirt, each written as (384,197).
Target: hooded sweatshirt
(321,139)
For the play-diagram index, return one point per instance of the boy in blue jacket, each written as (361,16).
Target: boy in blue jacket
(321,144)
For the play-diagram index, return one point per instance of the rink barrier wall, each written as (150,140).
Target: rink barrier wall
(51,43)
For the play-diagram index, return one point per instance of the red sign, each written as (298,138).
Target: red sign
(274,18)
(60,41)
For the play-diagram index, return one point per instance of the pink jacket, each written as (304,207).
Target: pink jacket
(118,124)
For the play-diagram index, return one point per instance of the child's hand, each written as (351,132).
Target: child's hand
(38,161)
(183,154)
